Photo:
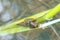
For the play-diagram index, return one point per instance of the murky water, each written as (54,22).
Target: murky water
(31,7)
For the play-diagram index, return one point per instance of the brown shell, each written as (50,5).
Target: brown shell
(26,20)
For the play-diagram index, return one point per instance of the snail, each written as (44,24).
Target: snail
(29,22)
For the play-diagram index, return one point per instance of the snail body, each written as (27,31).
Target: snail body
(30,22)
